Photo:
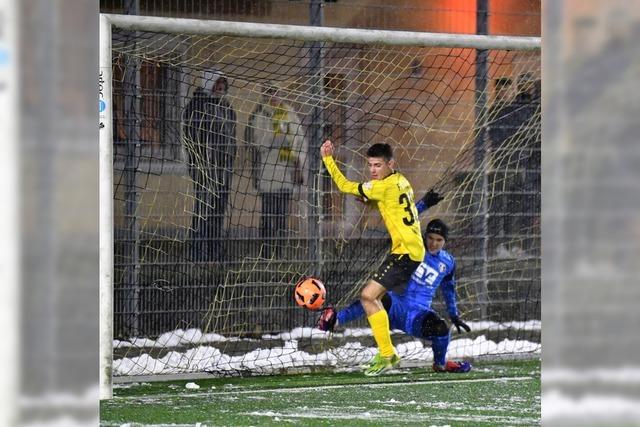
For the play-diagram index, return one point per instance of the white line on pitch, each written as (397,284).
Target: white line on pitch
(323,387)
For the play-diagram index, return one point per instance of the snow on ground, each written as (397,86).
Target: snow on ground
(209,358)
(181,337)
(385,416)
(529,325)
(173,339)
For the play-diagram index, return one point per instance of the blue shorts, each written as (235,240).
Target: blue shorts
(407,320)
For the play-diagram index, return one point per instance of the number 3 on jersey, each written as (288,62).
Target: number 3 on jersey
(404,200)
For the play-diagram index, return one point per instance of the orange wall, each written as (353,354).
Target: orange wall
(457,16)
(521,17)
(506,17)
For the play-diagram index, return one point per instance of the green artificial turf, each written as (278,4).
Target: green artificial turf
(493,393)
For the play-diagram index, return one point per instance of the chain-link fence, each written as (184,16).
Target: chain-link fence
(194,222)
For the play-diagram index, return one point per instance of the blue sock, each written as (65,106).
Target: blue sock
(439,346)
(352,312)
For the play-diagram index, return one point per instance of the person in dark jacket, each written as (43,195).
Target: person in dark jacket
(514,131)
(210,138)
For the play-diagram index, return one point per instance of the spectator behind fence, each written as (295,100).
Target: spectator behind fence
(530,157)
(501,126)
(499,117)
(526,110)
(514,131)
(210,132)
(277,145)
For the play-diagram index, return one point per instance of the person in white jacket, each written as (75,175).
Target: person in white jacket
(277,144)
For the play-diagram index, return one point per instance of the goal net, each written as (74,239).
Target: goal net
(221,202)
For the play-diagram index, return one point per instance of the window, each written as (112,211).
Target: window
(147,114)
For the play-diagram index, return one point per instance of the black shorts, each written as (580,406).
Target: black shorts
(395,271)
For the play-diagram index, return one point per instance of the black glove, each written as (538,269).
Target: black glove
(432,198)
(459,324)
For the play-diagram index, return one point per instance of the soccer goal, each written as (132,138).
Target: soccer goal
(214,200)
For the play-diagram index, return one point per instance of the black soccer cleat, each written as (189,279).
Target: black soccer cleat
(327,320)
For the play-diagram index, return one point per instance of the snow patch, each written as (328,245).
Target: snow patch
(180,337)
(266,360)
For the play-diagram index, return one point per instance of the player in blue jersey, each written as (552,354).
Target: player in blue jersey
(411,312)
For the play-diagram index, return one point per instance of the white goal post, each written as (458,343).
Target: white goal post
(237,29)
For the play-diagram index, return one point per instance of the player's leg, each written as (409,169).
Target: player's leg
(330,318)
(435,329)
(397,319)
(353,311)
(379,363)
(393,274)
(377,316)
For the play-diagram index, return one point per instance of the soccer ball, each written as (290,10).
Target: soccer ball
(310,293)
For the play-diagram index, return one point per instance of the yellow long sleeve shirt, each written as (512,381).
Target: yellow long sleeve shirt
(394,198)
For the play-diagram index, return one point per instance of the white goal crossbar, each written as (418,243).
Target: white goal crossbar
(326,34)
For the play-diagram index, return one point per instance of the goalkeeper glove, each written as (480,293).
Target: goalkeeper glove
(432,198)
(459,324)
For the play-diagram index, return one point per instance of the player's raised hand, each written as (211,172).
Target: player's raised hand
(459,324)
(327,148)
(432,198)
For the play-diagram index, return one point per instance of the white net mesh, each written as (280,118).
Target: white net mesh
(222,203)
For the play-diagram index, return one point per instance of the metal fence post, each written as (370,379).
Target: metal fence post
(315,140)
(481,161)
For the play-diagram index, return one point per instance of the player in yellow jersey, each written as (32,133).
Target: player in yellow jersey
(393,195)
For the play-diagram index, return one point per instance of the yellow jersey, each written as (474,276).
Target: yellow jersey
(394,199)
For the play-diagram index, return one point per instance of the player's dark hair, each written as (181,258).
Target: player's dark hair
(380,150)
(438,226)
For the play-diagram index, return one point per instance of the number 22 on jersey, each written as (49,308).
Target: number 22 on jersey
(426,273)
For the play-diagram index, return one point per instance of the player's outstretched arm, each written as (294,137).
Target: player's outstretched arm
(326,149)
(429,200)
(449,292)
(343,184)
(458,323)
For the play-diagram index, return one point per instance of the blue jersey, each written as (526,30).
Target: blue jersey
(435,271)
(408,310)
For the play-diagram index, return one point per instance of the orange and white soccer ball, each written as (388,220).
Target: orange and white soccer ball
(310,293)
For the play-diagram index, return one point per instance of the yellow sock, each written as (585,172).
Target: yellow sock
(380,327)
